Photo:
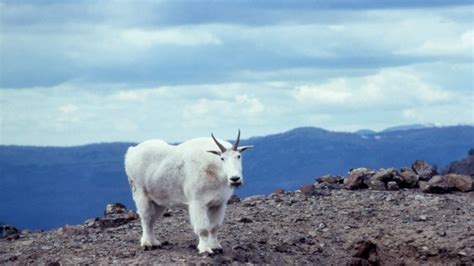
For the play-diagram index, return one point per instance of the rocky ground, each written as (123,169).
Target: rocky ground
(336,227)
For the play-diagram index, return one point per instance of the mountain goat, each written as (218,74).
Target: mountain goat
(193,175)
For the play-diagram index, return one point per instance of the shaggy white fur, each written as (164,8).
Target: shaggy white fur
(193,174)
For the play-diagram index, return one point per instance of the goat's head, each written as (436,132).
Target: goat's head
(231,160)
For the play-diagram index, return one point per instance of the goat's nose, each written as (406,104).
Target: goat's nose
(235,178)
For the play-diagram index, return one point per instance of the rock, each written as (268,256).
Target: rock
(420,197)
(438,184)
(447,183)
(282,248)
(279,191)
(252,200)
(245,220)
(8,230)
(392,185)
(114,208)
(13,237)
(68,230)
(114,221)
(132,215)
(428,251)
(384,175)
(366,254)
(233,199)
(322,226)
(91,222)
(331,179)
(325,185)
(308,190)
(376,184)
(422,218)
(424,186)
(356,178)
(461,182)
(409,179)
(424,170)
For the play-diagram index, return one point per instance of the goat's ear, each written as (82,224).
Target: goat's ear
(243,148)
(215,152)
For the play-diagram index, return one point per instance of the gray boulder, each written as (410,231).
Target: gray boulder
(384,175)
(114,208)
(8,230)
(325,185)
(375,184)
(437,184)
(447,183)
(424,170)
(408,178)
(463,183)
(331,179)
(392,185)
(356,178)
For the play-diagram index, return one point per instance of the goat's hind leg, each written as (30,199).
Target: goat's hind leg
(149,212)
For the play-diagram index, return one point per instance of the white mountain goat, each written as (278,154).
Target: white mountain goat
(192,174)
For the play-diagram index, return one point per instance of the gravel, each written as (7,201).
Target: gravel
(387,227)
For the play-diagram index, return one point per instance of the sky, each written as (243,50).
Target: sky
(77,72)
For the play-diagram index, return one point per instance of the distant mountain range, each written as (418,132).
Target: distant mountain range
(46,187)
(396,128)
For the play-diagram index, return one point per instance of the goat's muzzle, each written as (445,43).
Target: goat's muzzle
(235,181)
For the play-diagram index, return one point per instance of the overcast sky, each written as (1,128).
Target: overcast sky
(76,72)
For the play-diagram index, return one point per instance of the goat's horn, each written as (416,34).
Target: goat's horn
(221,147)
(236,144)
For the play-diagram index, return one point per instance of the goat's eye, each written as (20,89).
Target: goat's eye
(238,156)
(222,158)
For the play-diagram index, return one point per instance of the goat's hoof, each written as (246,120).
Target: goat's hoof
(207,254)
(146,248)
(205,250)
(150,244)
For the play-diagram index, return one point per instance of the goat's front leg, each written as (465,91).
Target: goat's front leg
(216,217)
(201,225)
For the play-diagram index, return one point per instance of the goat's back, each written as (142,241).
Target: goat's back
(201,145)
(140,158)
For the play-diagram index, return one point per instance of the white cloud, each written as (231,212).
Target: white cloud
(338,73)
(68,114)
(68,109)
(389,89)
(445,44)
(214,112)
(126,125)
(250,106)
(176,113)
(331,93)
(140,95)
(182,36)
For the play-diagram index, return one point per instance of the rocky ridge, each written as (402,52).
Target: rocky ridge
(421,175)
(397,221)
